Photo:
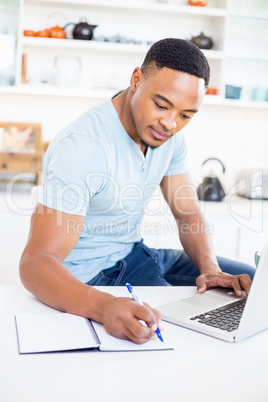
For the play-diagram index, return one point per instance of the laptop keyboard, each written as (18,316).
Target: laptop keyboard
(226,318)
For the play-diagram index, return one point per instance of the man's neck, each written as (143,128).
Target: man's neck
(121,104)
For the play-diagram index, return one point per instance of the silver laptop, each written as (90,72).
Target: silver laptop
(220,313)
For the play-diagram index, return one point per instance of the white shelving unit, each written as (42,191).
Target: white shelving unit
(140,6)
(106,66)
(72,44)
(114,61)
(52,90)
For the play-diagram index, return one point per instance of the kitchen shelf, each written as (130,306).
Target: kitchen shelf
(83,44)
(248,17)
(137,6)
(92,93)
(193,21)
(213,19)
(50,90)
(247,59)
(99,46)
(218,101)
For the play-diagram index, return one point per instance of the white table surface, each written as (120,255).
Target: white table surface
(200,368)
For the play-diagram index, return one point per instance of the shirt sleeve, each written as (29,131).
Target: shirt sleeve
(178,163)
(74,170)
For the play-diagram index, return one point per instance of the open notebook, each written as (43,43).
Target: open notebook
(62,331)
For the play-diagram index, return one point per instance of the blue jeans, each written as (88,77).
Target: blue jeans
(146,266)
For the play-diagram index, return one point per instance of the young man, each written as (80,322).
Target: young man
(98,174)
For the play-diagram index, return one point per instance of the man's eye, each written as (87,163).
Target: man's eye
(160,106)
(185,116)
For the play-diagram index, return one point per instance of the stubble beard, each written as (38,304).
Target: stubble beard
(144,144)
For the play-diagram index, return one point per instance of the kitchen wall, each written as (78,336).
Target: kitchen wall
(238,136)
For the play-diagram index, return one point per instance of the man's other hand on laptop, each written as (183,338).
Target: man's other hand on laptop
(210,280)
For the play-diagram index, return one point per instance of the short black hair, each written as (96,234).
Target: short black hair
(177,54)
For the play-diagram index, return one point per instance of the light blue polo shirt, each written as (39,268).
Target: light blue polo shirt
(93,168)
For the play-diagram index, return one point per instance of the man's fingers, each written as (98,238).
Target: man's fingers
(138,337)
(201,289)
(130,328)
(236,282)
(201,284)
(245,282)
(155,318)
(126,319)
(144,324)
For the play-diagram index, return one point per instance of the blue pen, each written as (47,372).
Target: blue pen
(136,298)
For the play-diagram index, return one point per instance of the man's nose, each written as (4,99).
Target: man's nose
(169,122)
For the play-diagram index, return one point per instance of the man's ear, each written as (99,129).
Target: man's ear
(136,79)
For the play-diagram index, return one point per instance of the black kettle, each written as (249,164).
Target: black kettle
(211,188)
(82,30)
(202,41)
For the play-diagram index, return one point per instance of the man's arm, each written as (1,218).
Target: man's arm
(53,235)
(181,196)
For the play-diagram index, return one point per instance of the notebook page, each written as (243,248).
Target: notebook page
(53,332)
(110,343)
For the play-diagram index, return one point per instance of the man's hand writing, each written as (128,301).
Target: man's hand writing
(122,320)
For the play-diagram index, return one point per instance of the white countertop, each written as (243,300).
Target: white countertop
(200,368)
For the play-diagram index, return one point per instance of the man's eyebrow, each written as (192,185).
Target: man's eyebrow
(164,99)
(190,110)
(171,104)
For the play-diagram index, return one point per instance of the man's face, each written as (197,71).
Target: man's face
(163,102)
